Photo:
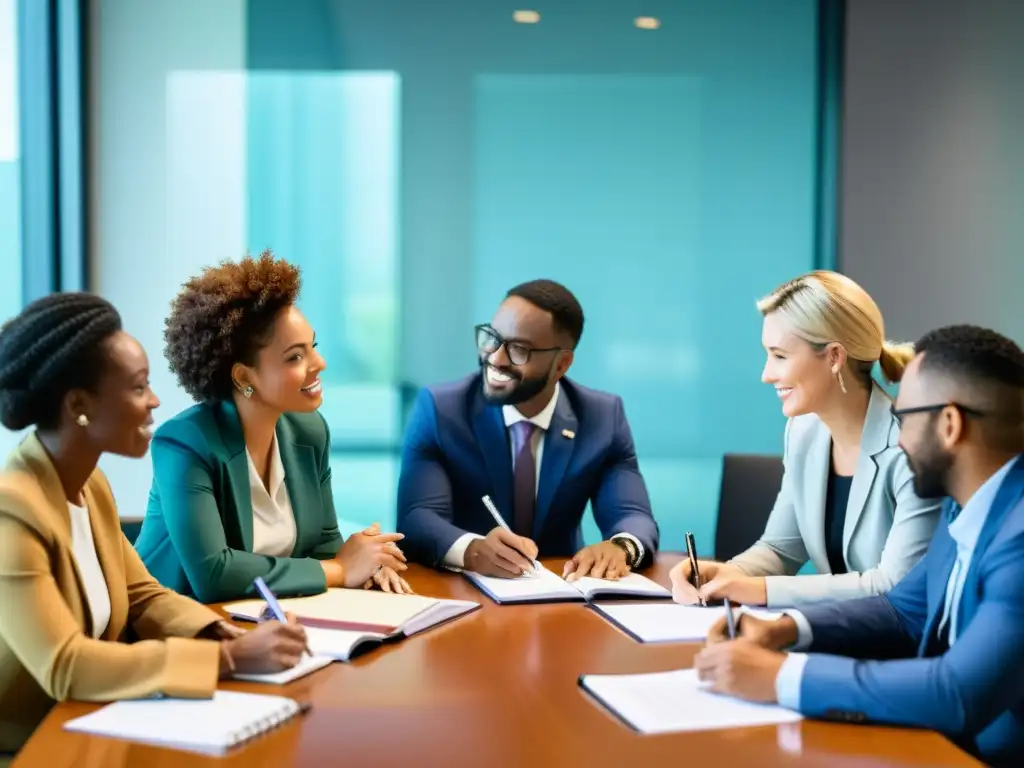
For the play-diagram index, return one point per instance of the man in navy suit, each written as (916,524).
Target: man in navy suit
(539,445)
(945,648)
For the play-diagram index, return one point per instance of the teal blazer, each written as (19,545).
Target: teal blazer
(196,537)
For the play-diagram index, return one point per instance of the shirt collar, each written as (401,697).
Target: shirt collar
(276,469)
(966,528)
(542,419)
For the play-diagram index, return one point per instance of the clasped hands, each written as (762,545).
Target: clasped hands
(367,559)
(747,666)
(503,554)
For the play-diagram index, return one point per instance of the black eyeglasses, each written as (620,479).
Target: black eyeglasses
(489,341)
(899,413)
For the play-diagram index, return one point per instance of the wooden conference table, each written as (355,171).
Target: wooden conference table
(496,688)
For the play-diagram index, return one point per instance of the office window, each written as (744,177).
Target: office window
(10,168)
(666,175)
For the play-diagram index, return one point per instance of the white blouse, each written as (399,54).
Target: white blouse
(83,546)
(273,522)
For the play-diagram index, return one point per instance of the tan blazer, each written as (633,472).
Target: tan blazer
(47,653)
(887,529)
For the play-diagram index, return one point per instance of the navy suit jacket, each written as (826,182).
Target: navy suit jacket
(972,692)
(457,450)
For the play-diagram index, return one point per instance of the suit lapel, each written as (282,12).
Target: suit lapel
(874,439)
(492,439)
(818,468)
(558,448)
(38,460)
(1007,497)
(300,478)
(111,560)
(938,580)
(238,468)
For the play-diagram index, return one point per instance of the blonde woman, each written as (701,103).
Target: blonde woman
(847,501)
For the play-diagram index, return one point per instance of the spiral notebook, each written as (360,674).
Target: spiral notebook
(209,726)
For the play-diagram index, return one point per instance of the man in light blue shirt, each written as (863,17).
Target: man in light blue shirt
(943,649)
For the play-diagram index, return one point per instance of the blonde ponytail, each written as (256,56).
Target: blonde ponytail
(894,360)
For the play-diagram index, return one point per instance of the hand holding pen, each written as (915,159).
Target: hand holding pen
(501,552)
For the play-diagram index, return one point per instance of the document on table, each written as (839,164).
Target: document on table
(543,586)
(669,622)
(669,702)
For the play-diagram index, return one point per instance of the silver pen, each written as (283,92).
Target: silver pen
(501,521)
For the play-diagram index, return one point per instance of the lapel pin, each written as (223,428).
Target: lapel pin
(568,433)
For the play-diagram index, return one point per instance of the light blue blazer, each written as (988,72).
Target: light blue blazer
(888,528)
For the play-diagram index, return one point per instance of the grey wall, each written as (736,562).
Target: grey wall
(933,161)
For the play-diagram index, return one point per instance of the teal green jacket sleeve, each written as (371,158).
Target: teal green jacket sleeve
(215,571)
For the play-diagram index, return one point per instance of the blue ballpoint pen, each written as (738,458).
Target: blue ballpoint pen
(272,604)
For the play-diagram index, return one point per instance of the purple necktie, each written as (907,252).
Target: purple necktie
(525,483)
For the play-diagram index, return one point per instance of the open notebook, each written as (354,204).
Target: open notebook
(340,623)
(210,726)
(668,622)
(543,586)
(667,702)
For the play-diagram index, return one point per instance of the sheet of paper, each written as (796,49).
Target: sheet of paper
(537,584)
(669,622)
(307,665)
(669,702)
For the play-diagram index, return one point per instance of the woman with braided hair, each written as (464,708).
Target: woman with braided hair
(242,480)
(73,592)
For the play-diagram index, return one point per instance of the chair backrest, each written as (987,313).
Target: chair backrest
(750,484)
(131,526)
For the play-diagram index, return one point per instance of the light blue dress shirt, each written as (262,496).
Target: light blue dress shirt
(964,530)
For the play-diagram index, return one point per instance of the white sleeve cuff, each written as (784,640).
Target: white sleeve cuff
(635,540)
(787,681)
(804,636)
(455,557)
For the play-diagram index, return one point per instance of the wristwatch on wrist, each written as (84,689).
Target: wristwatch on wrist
(627,546)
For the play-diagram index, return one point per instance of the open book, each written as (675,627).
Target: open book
(543,586)
(210,726)
(666,702)
(669,622)
(340,623)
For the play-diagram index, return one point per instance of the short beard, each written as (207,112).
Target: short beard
(525,389)
(931,467)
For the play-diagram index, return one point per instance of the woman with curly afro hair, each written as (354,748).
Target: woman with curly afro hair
(242,480)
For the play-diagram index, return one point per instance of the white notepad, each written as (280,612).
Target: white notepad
(669,702)
(210,726)
(307,664)
(669,622)
(543,586)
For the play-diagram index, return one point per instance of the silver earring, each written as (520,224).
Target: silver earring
(82,420)
(842,384)
(247,392)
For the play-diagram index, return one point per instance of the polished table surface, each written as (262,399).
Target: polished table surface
(497,687)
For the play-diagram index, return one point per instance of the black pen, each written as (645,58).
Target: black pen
(730,619)
(691,551)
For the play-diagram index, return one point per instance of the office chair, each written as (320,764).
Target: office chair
(131,526)
(750,484)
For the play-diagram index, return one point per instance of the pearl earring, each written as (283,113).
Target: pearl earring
(247,391)
(842,384)
(82,420)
